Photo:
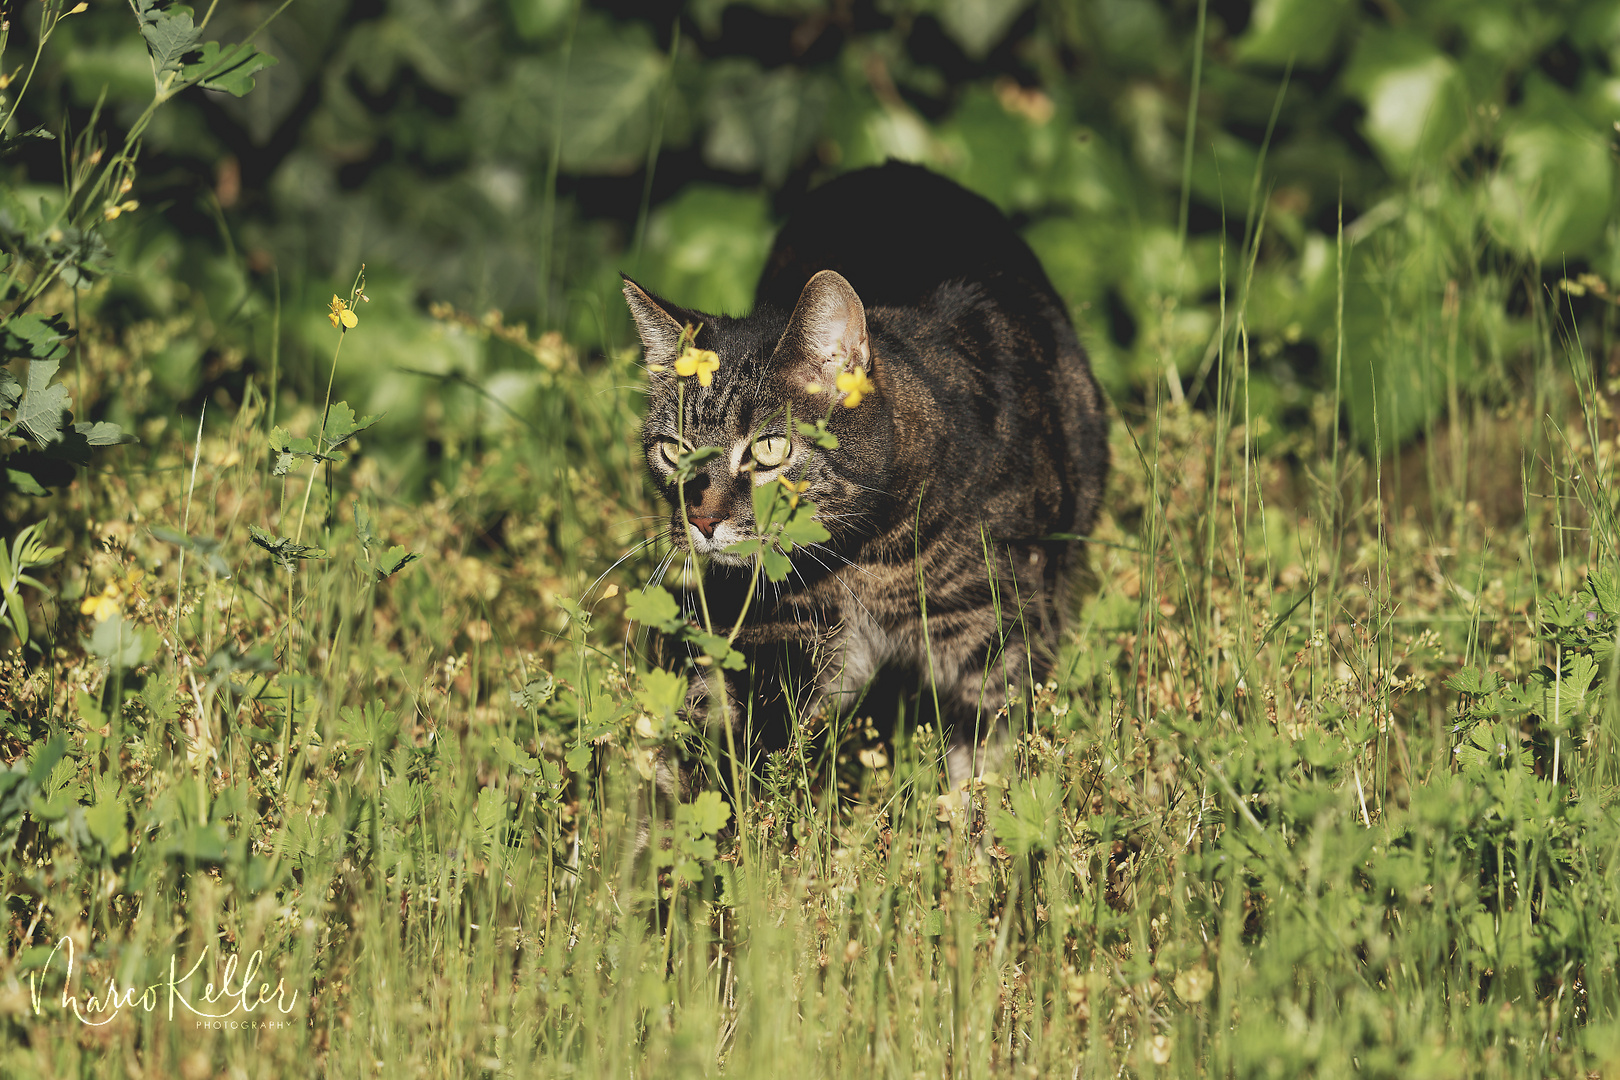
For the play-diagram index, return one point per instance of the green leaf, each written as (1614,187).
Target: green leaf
(205,547)
(283,550)
(394,560)
(763,121)
(158,695)
(662,693)
(44,405)
(977,25)
(686,466)
(363,529)
(509,751)
(106,822)
(34,337)
(707,814)
(229,68)
(578,758)
(10,389)
(341,425)
(1415,95)
(777,565)
(653,607)
(25,482)
(1475,681)
(169,32)
(491,809)
(818,434)
(1549,197)
(1302,31)
(535,692)
(803,528)
(121,643)
(102,433)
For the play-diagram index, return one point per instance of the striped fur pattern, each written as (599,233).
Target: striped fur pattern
(984,435)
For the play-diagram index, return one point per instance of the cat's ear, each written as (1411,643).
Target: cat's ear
(827,334)
(660,331)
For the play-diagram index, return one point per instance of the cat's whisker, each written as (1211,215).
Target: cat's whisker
(639,547)
(857,567)
(838,578)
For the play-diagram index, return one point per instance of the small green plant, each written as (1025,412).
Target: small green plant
(62,240)
(28,551)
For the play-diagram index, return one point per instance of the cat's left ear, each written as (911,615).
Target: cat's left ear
(826,336)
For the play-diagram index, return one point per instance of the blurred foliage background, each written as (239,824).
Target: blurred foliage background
(1168,159)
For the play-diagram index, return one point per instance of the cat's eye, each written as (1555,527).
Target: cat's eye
(671,450)
(771,451)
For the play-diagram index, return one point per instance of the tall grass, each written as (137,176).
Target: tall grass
(1323,786)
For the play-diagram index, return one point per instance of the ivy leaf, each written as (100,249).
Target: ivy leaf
(227,67)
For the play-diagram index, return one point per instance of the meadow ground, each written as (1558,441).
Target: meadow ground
(1324,784)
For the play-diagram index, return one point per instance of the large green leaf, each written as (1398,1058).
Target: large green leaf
(44,405)
(1415,96)
(1301,31)
(762,121)
(1552,193)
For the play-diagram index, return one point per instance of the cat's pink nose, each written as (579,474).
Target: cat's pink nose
(703,522)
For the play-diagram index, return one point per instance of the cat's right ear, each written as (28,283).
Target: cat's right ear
(660,331)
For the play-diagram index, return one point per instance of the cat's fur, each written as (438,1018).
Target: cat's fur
(984,436)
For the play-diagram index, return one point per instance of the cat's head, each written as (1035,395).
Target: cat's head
(772,364)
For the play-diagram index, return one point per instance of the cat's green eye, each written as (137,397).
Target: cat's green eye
(671,450)
(771,451)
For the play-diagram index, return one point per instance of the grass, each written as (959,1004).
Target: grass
(1324,785)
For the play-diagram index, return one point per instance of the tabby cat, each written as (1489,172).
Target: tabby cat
(982,436)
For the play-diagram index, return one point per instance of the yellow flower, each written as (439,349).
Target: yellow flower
(132,583)
(700,362)
(854,385)
(340,316)
(105,606)
(797,489)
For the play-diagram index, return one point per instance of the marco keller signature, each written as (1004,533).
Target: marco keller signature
(236,989)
